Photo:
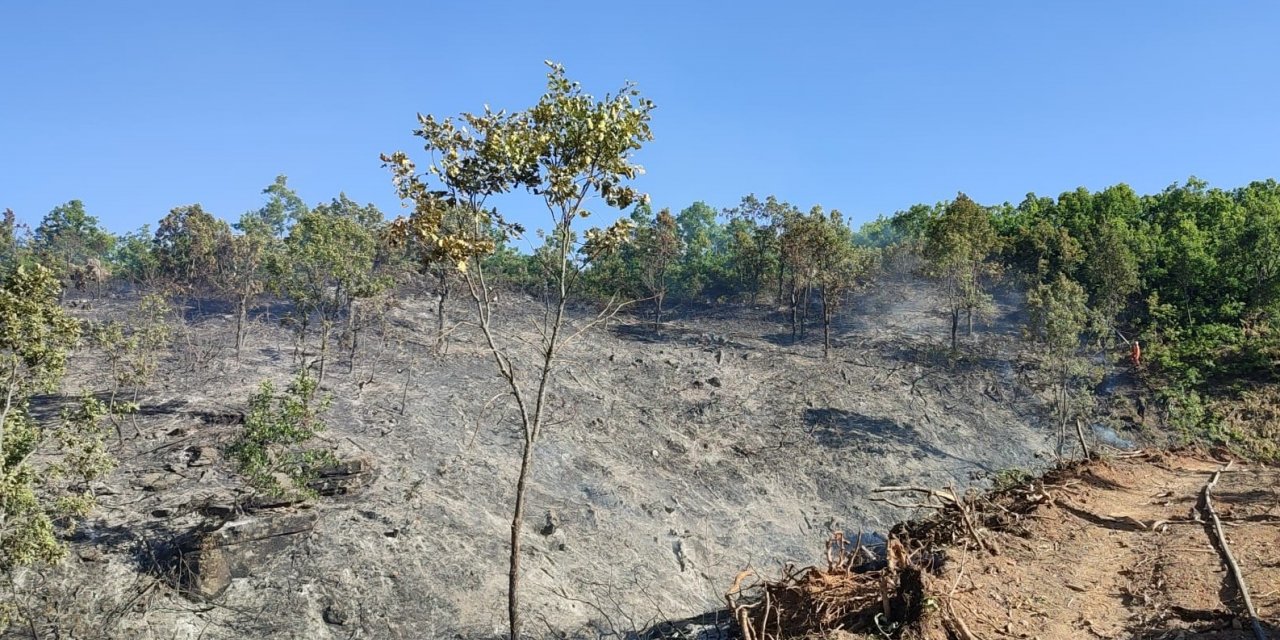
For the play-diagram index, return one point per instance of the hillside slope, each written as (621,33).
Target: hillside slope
(675,459)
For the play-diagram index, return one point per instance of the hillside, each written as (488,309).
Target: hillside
(676,459)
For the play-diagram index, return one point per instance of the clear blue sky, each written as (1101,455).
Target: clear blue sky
(135,107)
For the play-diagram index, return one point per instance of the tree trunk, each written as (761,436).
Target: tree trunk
(354,327)
(657,311)
(969,330)
(324,348)
(955,326)
(780,269)
(517,519)
(826,325)
(440,312)
(240,318)
(795,311)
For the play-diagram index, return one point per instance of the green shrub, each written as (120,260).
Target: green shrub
(270,452)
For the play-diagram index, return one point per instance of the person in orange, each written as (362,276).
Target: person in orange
(1136,354)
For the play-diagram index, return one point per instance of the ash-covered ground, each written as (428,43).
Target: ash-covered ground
(674,459)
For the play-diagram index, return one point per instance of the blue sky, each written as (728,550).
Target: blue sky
(135,107)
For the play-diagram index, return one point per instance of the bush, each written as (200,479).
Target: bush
(270,452)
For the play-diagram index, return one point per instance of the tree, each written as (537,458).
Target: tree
(1111,271)
(283,208)
(186,246)
(134,257)
(69,237)
(769,219)
(8,239)
(838,266)
(702,240)
(567,149)
(242,268)
(34,342)
(957,245)
(326,264)
(1059,315)
(658,246)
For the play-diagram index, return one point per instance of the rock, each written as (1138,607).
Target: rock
(335,614)
(344,478)
(103,489)
(157,481)
(714,381)
(208,560)
(202,456)
(222,510)
(203,573)
(551,525)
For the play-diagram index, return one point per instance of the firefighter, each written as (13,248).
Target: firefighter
(1136,354)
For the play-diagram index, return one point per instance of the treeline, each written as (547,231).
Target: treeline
(1192,272)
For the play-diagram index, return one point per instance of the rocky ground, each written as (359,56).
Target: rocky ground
(674,459)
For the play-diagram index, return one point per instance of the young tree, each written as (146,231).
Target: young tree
(702,239)
(135,259)
(68,238)
(9,241)
(839,265)
(567,149)
(186,246)
(1059,315)
(36,338)
(271,451)
(326,264)
(957,245)
(769,219)
(283,208)
(241,270)
(658,248)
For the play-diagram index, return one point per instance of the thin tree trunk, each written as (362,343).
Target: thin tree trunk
(795,312)
(826,325)
(240,318)
(354,327)
(440,312)
(955,326)
(517,520)
(324,348)
(969,331)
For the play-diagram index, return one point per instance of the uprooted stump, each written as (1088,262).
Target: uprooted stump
(205,561)
(840,597)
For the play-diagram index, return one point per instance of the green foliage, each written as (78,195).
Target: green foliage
(68,236)
(1012,478)
(134,257)
(283,208)
(270,451)
(958,244)
(35,336)
(133,347)
(186,245)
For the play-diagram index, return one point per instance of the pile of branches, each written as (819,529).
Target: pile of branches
(845,595)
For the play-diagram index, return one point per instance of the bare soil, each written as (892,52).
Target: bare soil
(1117,548)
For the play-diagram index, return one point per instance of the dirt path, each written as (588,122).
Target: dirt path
(1120,551)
